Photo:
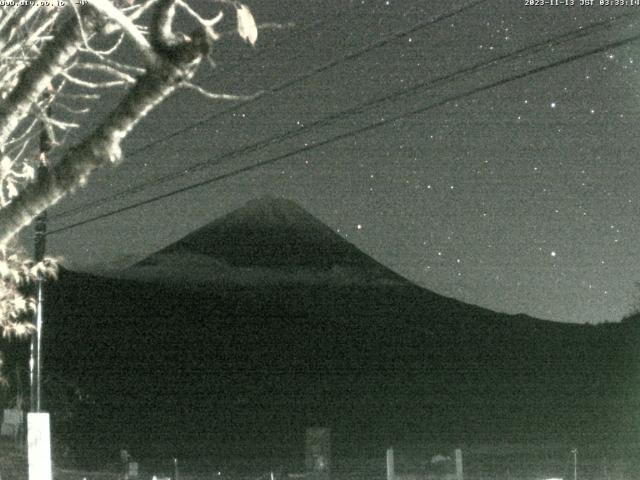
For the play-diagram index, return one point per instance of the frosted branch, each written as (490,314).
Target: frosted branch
(217,96)
(92,85)
(162,36)
(83,35)
(207,25)
(80,96)
(35,78)
(114,14)
(15,22)
(102,54)
(9,15)
(76,111)
(171,59)
(103,146)
(27,140)
(59,124)
(122,66)
(106,69)
(36,35)
(142,9)
(22,135)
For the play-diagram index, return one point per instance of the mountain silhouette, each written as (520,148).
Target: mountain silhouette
(269,240)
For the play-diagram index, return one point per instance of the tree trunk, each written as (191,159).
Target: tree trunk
(35,78)
(100,148)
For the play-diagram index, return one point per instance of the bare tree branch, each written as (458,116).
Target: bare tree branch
(93,85)
(103,54)
(111,12)
(34,36)
(106,69)
(206,24)
(14,22)
(43,59)
(103,146)
(37,76)
(217,96)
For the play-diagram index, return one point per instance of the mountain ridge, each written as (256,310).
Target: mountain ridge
(268,240)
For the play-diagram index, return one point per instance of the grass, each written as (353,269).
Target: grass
(13,460)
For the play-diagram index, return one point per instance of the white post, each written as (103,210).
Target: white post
(459,473)
(39,446)
(391,475)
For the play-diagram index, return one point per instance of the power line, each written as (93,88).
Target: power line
(332,63)
(278,138)
(369,127)
(281,86)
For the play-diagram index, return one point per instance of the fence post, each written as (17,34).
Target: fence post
(391,474)
(318,453)
(459,473)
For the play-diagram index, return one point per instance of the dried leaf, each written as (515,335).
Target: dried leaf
(28,172)
(20,303)
(11,189)
(247,28)
(5,165)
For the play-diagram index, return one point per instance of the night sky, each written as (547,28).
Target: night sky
(515,191)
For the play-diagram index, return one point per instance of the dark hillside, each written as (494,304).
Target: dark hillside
(265,321)
(376,361)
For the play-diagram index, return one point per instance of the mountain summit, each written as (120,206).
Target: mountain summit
(267,241)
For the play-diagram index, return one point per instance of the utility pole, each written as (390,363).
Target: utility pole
(40,243)
(38,424)
(575,463)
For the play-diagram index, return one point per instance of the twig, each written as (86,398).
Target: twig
(217,96)
(92,85)
(206,24)
(98,67)
(127,26)
(103,53)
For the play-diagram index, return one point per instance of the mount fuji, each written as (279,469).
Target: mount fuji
(268,241)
